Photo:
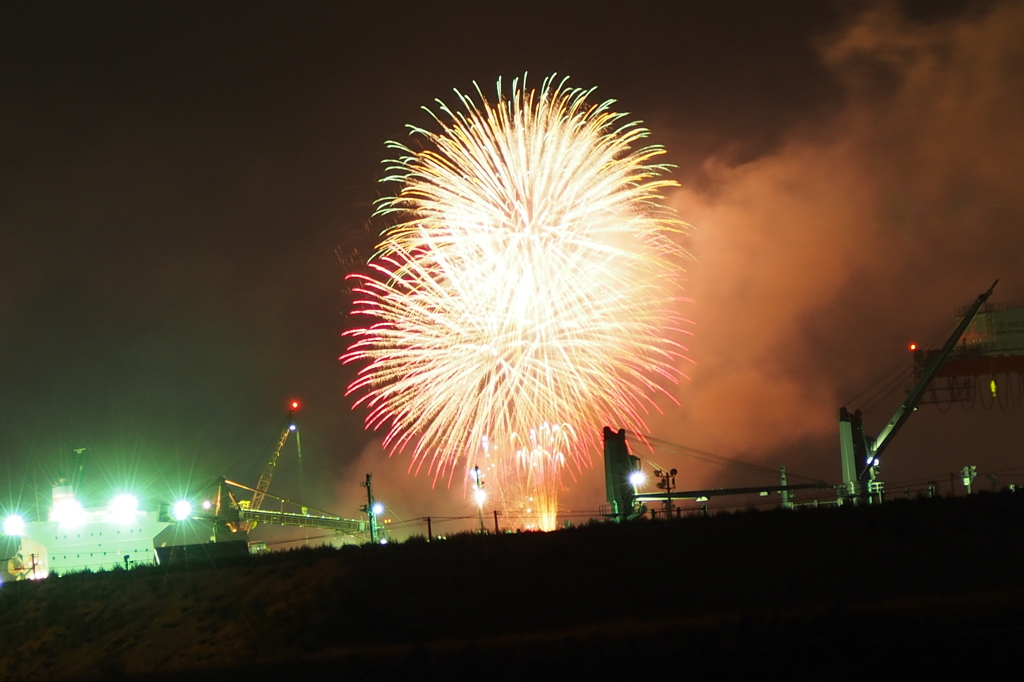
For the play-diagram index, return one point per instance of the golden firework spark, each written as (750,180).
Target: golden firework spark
(529,279)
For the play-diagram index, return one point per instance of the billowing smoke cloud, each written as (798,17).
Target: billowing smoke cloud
(822,259)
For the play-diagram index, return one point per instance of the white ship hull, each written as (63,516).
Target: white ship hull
(97,543)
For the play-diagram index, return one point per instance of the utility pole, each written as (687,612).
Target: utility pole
(497,531)
(786,504)
(302,488)
(370,508)
(479,495)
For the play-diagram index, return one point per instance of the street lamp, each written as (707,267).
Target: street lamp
(667,483)
(637,479)
(968,474)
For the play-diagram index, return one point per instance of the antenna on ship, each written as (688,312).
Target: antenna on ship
(71,473)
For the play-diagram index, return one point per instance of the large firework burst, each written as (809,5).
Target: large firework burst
(527,290)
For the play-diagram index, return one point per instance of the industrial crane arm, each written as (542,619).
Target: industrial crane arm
(858,453)
(917,392)
(268,471)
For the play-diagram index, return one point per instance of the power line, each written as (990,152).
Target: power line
(931,340)
(711,457)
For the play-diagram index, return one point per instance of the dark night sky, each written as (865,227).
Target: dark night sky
(183,187)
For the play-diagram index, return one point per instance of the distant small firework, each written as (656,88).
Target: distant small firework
(527,293)
(531,475)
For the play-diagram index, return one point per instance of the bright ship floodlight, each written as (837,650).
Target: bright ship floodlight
(480,495)
(377,508)
(123,508)
(14,525)
(637,478)
(68,513)
(181,510)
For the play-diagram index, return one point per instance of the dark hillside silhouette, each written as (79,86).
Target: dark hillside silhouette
(803,589)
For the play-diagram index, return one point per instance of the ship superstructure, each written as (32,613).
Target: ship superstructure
(76,538)
(72,537)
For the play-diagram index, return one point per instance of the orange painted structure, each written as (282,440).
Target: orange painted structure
(988,363)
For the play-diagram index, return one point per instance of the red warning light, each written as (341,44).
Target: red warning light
(295,405)
(913,346)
